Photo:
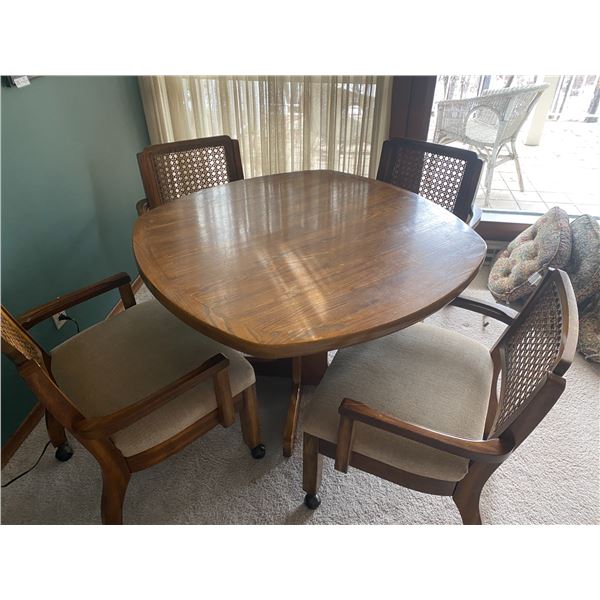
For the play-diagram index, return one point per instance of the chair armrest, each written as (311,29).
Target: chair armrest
(494,450)
(142,206)
(45,311)
(99,427)
(496,311)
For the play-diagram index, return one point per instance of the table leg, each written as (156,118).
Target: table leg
(289,432)
(304,370)
(313,368)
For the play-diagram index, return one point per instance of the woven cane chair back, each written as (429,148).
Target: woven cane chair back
(541,340)
(512,105)
(17,344)
(170,171)
(444,175)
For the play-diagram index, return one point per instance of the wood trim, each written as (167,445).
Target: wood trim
(136,284)
(492,228)
(98,427)
(426,485)
(172,445)
(21,434)
(495,311)
(495,449)
(412,99)
(45,311)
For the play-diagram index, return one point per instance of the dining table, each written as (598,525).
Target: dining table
(288,267)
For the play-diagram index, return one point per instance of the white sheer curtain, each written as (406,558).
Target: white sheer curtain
(282,123)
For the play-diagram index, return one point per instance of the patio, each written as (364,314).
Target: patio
(564,170)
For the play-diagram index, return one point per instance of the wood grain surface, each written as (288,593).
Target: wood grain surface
(299,263)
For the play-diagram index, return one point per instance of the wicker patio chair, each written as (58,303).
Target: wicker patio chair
(489,124)
(175,169)
(447,176)
(427,413)
(133,389)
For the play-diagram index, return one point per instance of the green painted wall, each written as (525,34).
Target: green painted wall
(69,185)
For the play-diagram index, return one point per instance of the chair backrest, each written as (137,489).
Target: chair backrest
(176,169)
(18,345)
(511,106)
(445,175)
(539,344)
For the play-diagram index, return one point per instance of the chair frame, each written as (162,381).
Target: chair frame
(485,455)
(148,172)
(463,207)
(94,433)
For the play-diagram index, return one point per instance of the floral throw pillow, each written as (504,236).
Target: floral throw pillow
(547,243)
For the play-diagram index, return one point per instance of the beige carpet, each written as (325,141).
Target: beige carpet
(552,478)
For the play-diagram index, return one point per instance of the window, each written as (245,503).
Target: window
(557,139)
(282,123)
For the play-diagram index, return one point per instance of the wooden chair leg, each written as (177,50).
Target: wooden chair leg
(250,422)
(468,492)
(289,432)
(312,468)
(58,437)
(114,485)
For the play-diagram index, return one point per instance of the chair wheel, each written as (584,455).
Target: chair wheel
(258,451)
(312,501)
(64,452)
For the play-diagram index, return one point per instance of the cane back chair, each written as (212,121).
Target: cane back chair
(133,389)
(175,169)
(433,420)
(489,124)
(445,175)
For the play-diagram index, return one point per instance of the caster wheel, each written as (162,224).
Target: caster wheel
(64,452)
(258,451)
(312,501)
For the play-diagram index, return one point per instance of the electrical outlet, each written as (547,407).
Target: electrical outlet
(58,323)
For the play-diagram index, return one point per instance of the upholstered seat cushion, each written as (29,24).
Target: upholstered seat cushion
(584,265)
(479,131)
(133,354)
(547,243)
(424,375)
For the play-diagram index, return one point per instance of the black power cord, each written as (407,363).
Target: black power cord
(30,469)
(62,317)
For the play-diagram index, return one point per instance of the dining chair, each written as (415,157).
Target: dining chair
(175,169)
(434,411)
(133,389)
(445,175)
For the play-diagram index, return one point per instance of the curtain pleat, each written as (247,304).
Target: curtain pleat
(282,123)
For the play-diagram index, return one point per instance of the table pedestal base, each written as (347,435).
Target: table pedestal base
(302,370)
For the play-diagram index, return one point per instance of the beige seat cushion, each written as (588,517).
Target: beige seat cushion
(424,375)
(133,354)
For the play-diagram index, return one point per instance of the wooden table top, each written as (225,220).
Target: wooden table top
(299,263)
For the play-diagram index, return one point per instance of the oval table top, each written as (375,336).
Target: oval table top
(299,263)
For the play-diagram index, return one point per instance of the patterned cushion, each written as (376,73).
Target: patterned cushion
(547,243)
(584,266)
(589,332)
